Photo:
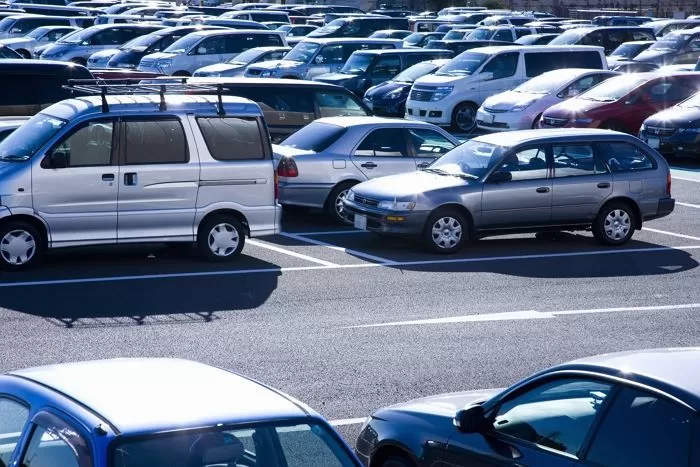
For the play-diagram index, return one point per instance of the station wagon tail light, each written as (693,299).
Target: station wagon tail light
(287,168)
(668,183)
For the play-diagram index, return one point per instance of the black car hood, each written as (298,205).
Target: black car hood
(675,117)
(655,56)
(442,407)
(381,90)
(124,56)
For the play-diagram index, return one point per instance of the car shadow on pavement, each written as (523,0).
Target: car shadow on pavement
(77,300)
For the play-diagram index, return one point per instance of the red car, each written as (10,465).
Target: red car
(623,102)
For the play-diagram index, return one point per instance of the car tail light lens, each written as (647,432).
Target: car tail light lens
(277,187)
(287,168)
(668,184)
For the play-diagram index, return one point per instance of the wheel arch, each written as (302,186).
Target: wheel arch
(632,204)
(346,181)
(385,451)
(239,216)
(24,52)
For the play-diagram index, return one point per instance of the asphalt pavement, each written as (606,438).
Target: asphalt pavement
(349,322)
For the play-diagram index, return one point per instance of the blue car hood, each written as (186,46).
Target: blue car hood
(674,117)
(381,90)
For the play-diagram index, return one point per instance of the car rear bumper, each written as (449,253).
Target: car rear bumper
(409,223)
(665,207)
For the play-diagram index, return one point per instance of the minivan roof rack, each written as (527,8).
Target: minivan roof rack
(105,87)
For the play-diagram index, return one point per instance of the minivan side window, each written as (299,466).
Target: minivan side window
(502,65)
(642,428)
(232,138)
(331,54)
(387,67)
(212,45)
(537,63)
(13,417)
(89,145)
(503,35)
(625,157)
(154,141)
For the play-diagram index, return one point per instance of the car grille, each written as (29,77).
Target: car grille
(366,201)
(421,94)
(495,111)
(551,121)
(254,72)
(658,131)
(147,62)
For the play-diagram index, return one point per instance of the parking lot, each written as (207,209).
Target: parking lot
(349,322)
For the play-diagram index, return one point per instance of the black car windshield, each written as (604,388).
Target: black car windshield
(77,37)
(184,44)
(315,137)
(25,141)
(613,89)
(411,74)
(672,41)
(465,63)
(302,52)
(328,29)
(472,159)
(570,37)
(480,34)
(142,42)
(357,64)
(414,39)
(270,444)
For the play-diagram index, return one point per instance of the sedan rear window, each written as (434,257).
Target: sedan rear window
(315,137)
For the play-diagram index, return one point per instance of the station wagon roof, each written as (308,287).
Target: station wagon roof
(513,138)
(148,395)
(201,104)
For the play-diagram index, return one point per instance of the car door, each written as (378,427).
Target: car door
(208,52)
(526,199)
(54,441)
(427,145)
(75,188)
(543,424)
(328,59)
(497,75)
(644,428)
(382,152)
(14,415)
(158,179)
(581,183)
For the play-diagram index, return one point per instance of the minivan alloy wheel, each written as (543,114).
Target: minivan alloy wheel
(223,239)
(617,224)
(446,232)
(17,247)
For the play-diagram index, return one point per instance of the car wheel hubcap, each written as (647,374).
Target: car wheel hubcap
(17,247)
(223,239)
(447,232)
(466,118)
(617,224)
(339,208)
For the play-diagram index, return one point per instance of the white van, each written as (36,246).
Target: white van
(452,95)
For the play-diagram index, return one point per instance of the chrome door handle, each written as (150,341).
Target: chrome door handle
(542,189)
(108,177)
(368,165)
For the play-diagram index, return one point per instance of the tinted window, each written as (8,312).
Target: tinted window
(330,54)
(338,103)
(537,63)
(212,45)
(526,164)
(315,137)
(89,145)
(557,414)
(232,139)
(624,157)
(429,143)
(642,36)
(387,67)
(159,141)
(38,88)
(503,65)
(384,142)
(576,160)
(503,35)
(280,99)
(522,32)
(13,416)
(642,429)
(241,42)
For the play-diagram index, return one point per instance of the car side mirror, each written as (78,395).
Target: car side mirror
(486,76)
(500,176)
(470,419)
(202,51)
(318,60)
(58,160)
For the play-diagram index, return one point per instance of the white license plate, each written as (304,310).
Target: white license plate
(653,143)
(360,222)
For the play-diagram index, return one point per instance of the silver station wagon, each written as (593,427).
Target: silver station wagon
(524,181)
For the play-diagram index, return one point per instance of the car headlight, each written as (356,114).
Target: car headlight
(397,205)
(582,121)
(395,94)
(350,196)
(266,74)
(441,92)
(164,63)
(523,105)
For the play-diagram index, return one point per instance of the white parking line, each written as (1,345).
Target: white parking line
(685,179)
(520,315)
(672,234)
(688,205)
(347,421)
(330,232)
(340,248)
(290,253)
(397,264)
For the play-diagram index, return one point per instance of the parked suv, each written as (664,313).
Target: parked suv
(453,94)
(200,49)
(367,68)
(534,180)
(313,57)
(609,38)
(79,46)
(187,169)
(21,25)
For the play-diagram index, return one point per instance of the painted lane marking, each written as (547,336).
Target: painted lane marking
(397,264)
(347,421)
(290,253)
(685,179)
(349,251)
(696,206)
(672,234)
(520,315)
(329,232)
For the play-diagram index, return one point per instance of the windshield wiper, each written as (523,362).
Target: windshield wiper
(450,174)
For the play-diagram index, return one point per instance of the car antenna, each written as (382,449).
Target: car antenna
(220,102)
(103,95)
(162,107)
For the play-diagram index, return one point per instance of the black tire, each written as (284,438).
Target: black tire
(397,460)
(460,114)
(12,236)
(225,227)
(615,223)
(454,234)
(614,125)
(334,211)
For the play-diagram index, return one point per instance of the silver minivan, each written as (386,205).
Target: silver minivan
(136,169)
(313,57)
(521,181)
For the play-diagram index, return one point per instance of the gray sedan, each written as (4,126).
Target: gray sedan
(532,180)
(319,163)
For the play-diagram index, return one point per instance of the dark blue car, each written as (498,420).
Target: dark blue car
(634,409)
(388,99)
(153,413)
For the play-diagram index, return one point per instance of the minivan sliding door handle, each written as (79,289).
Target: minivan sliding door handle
(603,185)
(542,189)
(368,165)
(130,179)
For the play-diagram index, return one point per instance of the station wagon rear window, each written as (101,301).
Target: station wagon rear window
(232,139)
